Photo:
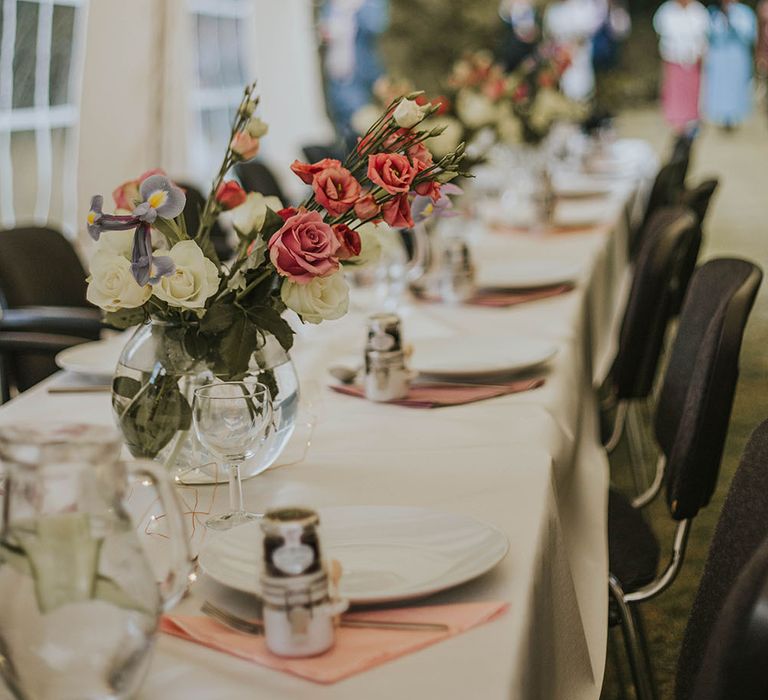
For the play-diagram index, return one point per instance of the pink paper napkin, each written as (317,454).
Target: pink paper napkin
(549,230)
(503,298)
(356,650)
(437,395)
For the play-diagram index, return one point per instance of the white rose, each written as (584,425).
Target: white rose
(195,279)
(447,141)
(116,242)
(111,286)
(322,299)
(364,118)
(475,109)
(249,216)
(408,113)
(370,243)
(256,127)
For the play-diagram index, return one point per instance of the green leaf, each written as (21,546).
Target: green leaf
(272,224)
(154,415)
(169,228)
(236,348)
(126,386)
(218,318)
(125,318)
(269,319)
(203,239)
(195,343)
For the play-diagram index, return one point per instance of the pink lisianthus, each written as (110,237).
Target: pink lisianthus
(366,208)
(287,213)
(336,190)
(126,196)
(391,171)
(230,195)
(307,171)
(429,188)
(304,248)
(350,244)
(420,156)
(245,145)
(397,212)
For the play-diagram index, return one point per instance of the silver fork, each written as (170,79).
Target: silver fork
(256,627)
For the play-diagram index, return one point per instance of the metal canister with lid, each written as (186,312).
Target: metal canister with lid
(386,374)
(457,273)
(299,610)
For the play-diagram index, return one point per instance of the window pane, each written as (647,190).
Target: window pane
(24,159)
(24,56)
(229,51)
(208,70)
(61,53)
(58,177)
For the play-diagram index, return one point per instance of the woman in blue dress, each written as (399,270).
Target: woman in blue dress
(728,76)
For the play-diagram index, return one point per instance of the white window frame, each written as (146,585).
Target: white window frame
(205,99)
(42,118)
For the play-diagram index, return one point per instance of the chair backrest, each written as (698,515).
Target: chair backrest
(316,152)
(695,403)
(255,176)
(671,233)
(734,664)
(742,527)
(682,146)
(697,200)
(39,267)
(667,190)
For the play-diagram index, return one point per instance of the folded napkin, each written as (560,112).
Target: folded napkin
(356,650)
(511,297)
(436,395)
(553,229)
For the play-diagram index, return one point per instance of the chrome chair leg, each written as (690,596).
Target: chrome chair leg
(636,442)
(638,659)
(618,427)
(652,491)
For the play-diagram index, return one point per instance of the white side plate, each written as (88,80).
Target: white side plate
(98,358)
(387,553)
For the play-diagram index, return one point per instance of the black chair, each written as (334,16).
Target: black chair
(690,426)
(193,209)
(698,200)
(667,190)
(316,152)
(672,233)
(713,648)
(255,176)
(42,292)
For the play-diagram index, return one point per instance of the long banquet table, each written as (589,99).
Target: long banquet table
(528,463)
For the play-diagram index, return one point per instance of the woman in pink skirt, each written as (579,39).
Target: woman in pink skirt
(682,26)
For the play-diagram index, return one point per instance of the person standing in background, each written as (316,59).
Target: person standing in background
(349,30)
(615,27)
(521,31)
(728,68)
(573,24)
(683,28)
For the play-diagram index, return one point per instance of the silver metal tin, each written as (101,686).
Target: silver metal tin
(384,333)
(386,375)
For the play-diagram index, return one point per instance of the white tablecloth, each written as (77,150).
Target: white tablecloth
(528,463)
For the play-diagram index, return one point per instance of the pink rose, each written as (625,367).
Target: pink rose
(230,195)
(307,171)
(366,208)
(304,248)
(397,212)
(126,196)
(336,189)
(244,145)
(391,171)
(349,242)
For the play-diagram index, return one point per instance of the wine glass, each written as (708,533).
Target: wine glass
(233,421)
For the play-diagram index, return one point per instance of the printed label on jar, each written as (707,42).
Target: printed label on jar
(293,559)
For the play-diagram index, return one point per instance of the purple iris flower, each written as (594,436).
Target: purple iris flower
(160,197)
(143,262)
(98,221)
(423,207)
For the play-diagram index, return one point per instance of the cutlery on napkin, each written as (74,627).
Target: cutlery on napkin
(355,651)
(439,394)
(498,297)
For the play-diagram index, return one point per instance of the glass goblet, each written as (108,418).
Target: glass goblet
(233,420)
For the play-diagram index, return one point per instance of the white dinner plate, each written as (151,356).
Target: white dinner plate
(387,553)
(98,358)
(473,357)
(526,274)
(577,188)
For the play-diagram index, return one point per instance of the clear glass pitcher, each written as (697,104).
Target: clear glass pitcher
(79,602)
